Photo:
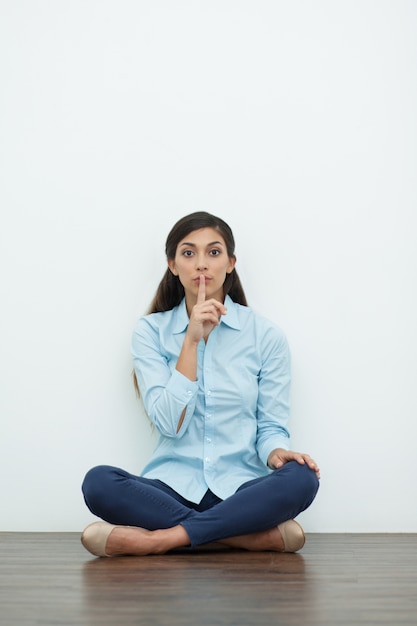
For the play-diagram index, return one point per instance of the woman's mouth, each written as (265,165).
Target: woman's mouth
(197,280)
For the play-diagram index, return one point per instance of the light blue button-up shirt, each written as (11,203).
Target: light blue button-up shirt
(236,411)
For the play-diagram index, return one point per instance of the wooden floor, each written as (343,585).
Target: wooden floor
(48,579)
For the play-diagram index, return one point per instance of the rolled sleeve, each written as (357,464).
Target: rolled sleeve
(180,392)
(165,391)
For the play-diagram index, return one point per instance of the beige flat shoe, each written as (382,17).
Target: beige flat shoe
(94,537)
(292,535)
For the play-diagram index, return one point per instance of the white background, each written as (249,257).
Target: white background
(295,121)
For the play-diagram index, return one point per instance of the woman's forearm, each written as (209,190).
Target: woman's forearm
(187,360)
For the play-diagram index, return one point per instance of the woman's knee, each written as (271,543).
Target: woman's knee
(95,483)
(308,481)
(304,481)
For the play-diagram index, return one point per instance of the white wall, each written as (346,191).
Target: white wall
(295,122)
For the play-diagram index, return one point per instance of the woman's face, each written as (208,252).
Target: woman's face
(204,252)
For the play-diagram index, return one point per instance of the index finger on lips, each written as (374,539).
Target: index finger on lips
(201,296)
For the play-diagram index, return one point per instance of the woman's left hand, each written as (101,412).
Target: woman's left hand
(279,457)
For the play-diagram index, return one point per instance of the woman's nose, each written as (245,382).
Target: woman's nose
(201,264)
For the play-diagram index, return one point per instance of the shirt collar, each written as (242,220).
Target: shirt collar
(231,319)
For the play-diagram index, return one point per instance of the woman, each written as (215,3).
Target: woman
(214,377)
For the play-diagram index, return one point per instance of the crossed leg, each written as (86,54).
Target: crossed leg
(148,517)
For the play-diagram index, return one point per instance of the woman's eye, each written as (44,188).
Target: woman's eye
(188,253)
(214,252)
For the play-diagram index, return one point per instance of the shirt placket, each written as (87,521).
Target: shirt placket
(208,433)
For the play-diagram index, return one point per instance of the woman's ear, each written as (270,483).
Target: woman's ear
(232,263)
(171,265)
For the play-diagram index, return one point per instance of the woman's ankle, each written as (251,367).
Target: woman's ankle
(131,540)
(261,541)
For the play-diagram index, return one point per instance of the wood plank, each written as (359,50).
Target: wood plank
(48,578)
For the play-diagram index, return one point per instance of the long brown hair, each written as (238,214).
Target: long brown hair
(170,291)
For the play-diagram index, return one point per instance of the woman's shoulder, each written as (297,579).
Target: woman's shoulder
(159,320)
(249,316)
(249,312)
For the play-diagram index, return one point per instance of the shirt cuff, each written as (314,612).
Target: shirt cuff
(266,448)
(180,387)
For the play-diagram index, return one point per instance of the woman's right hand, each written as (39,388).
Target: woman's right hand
(205,314)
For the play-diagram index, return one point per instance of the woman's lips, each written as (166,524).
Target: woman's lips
(197,280)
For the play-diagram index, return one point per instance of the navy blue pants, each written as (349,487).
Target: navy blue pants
(124,499)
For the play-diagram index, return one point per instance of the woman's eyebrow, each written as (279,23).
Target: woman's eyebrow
(193,245)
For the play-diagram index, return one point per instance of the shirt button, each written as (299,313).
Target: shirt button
(189,393)
(209,393)
(208,440)
(207,459)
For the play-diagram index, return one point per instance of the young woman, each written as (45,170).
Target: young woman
(214,377)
